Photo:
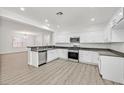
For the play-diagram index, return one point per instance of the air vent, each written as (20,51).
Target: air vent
(59,13)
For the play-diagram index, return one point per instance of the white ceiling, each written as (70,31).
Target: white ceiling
(72,17)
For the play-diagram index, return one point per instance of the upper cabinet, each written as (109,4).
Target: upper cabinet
(61,37)
(92,37)
(43,39)
(85,37)
(47,38)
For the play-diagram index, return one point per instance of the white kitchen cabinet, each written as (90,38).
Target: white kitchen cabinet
(57,53)
(63,53)
(89,57)
(92,36)
(85,57)
(95,57)
(112,68)
(52,55)
(47,39)
(61,37)
(33,58)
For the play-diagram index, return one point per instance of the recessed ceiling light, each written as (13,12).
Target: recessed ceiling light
(22,9)
(92,19)
(46,20)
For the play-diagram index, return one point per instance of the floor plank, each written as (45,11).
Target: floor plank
(15,71)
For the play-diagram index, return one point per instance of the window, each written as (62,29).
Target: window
(23,40)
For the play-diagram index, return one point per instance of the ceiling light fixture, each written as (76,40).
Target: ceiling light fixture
(22,9)
(59,13)
(92,19)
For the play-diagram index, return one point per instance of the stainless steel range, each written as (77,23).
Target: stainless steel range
(73,55)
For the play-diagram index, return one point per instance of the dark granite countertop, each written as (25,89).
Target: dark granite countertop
(101,51)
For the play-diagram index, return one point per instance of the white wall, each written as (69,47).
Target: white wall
(117,35)
(118,47)
(10,28)
(96,45)
(117,40)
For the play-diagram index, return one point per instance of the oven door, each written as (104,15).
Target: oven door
(73,55)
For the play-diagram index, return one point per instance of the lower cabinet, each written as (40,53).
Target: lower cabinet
(52,55)
(89,57)
(63,53)
(57,53)
(33,58)
(112,68)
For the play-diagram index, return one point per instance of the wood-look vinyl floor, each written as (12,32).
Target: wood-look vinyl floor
(15,71)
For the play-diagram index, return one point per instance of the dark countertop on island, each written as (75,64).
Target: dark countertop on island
(101,51)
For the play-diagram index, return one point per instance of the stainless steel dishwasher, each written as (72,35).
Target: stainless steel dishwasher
(42,57)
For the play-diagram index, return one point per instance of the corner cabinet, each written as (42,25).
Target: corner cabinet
(57,53)
(52,55)
(88,57)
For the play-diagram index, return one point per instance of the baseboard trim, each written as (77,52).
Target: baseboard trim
(4,53)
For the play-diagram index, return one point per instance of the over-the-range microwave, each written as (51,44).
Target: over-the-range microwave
(74,39)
